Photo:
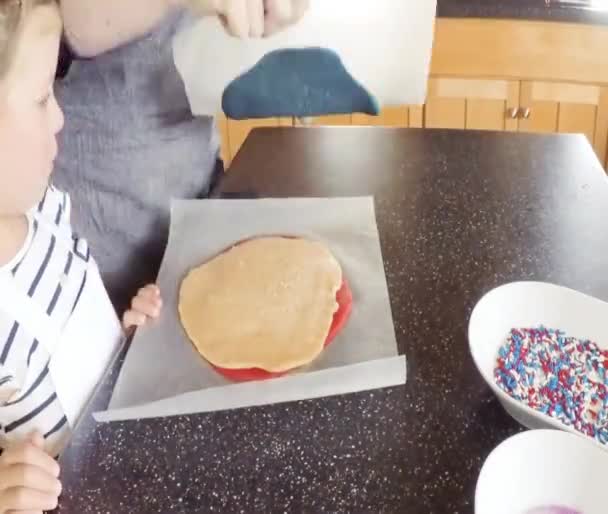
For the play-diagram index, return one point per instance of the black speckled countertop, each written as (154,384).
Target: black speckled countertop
(579,11)
(458,213)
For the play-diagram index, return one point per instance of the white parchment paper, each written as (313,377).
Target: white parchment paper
(385,45)
(163,364)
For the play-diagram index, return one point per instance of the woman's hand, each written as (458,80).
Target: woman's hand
(282,13)
(144,306)
(252,18)
(28,478)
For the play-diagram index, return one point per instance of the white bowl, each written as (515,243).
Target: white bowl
(527,305)
(542,468)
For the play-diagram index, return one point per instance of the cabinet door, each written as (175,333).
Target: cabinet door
(567,108)
(394,116)
(471,104)
(237,131)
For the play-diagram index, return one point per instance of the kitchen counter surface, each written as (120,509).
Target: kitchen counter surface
(459,213)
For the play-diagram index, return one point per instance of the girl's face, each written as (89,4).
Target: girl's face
(30,117)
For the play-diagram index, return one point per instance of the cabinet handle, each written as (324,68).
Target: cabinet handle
(525,113)
(512,112)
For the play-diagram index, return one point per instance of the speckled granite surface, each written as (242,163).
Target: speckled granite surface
(582,11)
(458,213)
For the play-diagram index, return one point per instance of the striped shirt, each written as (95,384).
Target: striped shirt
(52,269)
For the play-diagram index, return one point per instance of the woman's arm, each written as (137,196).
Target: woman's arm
(93,27)
(96,26)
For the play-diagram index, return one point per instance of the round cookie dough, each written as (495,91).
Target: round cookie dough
(266,303)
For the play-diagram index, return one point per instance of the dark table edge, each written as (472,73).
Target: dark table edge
(524,11)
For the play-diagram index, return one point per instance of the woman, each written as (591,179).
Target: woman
(130,142)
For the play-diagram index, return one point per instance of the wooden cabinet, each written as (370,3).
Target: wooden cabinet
(394,116)
(525,106)
(566,108)
(471,104)
(234,132)
(561,70)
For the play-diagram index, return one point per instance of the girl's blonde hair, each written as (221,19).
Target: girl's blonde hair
(12,15)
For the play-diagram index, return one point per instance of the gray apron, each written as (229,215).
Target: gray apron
(129,145)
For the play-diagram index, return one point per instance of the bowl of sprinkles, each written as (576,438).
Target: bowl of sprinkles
(543,349)
(558,375)
(543,472)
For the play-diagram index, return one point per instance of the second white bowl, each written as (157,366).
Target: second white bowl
(543,468)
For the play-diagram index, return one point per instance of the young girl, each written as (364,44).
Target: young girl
(58,329)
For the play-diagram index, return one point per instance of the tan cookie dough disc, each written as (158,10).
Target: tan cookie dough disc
(266,303)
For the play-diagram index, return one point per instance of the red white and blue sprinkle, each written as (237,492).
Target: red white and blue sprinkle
(558,375)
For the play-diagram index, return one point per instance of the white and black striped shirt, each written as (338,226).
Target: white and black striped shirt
(52,269)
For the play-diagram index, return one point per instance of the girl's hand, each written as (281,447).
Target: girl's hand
(145,305)
(28,478)
(252,18)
